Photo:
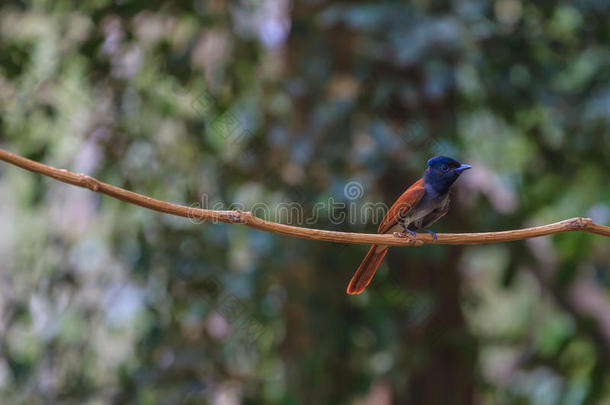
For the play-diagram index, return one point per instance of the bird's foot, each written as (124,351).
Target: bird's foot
(404,234)
(431,233)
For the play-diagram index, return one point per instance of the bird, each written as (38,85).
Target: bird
(422,204)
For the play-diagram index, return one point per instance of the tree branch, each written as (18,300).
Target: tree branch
(246,218)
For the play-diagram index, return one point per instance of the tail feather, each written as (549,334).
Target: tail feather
(367,269)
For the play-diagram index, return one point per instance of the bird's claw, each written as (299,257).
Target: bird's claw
(404,234)
(410,232)
(431,233)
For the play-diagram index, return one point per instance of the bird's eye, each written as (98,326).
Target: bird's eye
(444,168)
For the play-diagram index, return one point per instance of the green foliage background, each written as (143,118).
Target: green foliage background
(260,101)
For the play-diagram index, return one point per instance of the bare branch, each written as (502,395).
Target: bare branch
(246,218)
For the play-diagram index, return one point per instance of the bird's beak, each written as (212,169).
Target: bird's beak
(462,168)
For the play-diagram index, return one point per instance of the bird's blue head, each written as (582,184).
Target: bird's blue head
(442,171)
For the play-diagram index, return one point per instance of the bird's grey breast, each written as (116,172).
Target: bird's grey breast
(430,202)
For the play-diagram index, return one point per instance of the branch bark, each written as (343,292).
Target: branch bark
(246,218)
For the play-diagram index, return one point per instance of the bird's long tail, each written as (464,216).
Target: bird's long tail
(366,271)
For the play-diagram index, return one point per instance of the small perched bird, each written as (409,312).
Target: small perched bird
(421,205)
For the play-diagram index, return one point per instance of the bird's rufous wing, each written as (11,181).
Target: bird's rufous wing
(409,199)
